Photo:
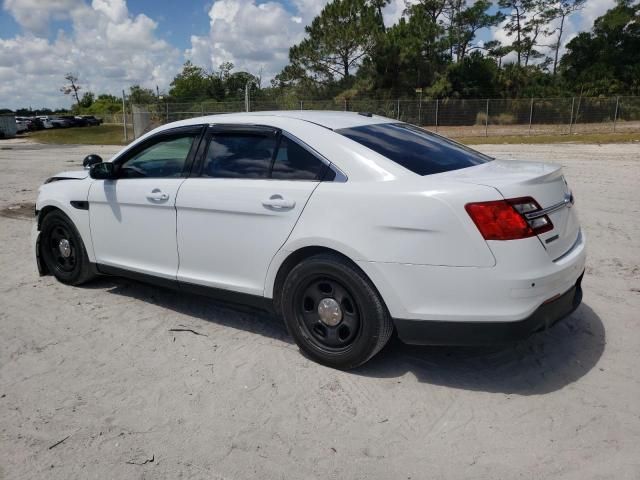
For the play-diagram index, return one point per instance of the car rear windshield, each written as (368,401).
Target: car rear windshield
(415,149)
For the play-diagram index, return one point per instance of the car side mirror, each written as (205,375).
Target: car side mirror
(90,160)
(102,171)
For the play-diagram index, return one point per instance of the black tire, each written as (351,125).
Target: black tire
(73,268)
(364,325)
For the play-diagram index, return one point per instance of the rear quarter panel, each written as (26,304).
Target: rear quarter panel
(419,221)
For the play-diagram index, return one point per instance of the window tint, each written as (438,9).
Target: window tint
(239,155)
(415,149)
(293,162)
(164,159)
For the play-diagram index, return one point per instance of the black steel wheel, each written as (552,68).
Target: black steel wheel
(62,249)
(334,312)
(328,313)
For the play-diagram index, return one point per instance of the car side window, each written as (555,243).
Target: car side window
(239,155)
(165,158)
(293,162)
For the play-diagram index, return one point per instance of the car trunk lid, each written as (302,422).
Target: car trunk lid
(545,183)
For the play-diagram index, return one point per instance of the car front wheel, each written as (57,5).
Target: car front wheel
(63,251)
(333,312)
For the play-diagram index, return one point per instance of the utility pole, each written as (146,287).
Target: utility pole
(124,117)
(530,115)
(573,101)
(486,121)
(246,98)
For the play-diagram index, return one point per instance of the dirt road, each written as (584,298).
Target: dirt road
(94,385)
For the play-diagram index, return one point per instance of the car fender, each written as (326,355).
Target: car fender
(60,195)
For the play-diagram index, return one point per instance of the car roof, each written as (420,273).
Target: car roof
(329,119)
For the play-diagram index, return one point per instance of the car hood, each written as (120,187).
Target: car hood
(72,175)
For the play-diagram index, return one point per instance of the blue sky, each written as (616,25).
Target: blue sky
(112,44)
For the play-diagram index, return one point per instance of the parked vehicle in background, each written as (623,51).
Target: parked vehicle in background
(75,121)
(346,224)
(35,124)
(61,122)
(46,121)
(91,120)
(21,125)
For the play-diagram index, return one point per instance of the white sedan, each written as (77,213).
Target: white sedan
(346,224)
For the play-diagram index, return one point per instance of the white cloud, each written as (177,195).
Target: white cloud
(107,48)
(34,15)
(394,11)
(255,37)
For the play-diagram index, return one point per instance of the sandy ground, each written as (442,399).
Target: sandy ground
(98,368)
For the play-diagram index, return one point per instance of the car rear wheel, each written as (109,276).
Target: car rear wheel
(333,312)
(63,251)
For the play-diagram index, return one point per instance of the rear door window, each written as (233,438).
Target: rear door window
(415,149)
(239,155)
(293,162)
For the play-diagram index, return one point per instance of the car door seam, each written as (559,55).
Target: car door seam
(175,211)
(264,286)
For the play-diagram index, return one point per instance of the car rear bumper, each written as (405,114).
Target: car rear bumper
(427,332)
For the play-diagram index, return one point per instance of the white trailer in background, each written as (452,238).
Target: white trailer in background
(8,127)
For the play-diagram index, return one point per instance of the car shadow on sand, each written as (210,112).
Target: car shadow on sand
(545,362)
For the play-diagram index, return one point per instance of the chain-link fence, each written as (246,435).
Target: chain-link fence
(452,117)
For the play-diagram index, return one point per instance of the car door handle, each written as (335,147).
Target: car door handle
(156,195)
(276,202)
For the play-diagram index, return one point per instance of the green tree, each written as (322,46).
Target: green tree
(465,23)
(236,83)
(141,96)
(607,59)
(106,103)
(562,10)
(526,21)
(87,100)
(337,41)
(192,83)
(474,76)
(410,54)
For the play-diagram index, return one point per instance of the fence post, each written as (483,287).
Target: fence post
(573,101)
(530,115)
(301,105)
(345,103)
(420,110)
(166,104)
(202,108)
(486,121)
(615,115)
(398,112)
(124,117)
(437,104)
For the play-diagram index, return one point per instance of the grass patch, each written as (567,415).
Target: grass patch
(577,138)
(100,135)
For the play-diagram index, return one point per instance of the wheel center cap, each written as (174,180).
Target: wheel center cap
(330,312)
(65,248)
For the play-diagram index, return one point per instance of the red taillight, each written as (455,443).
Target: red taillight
(508,219)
